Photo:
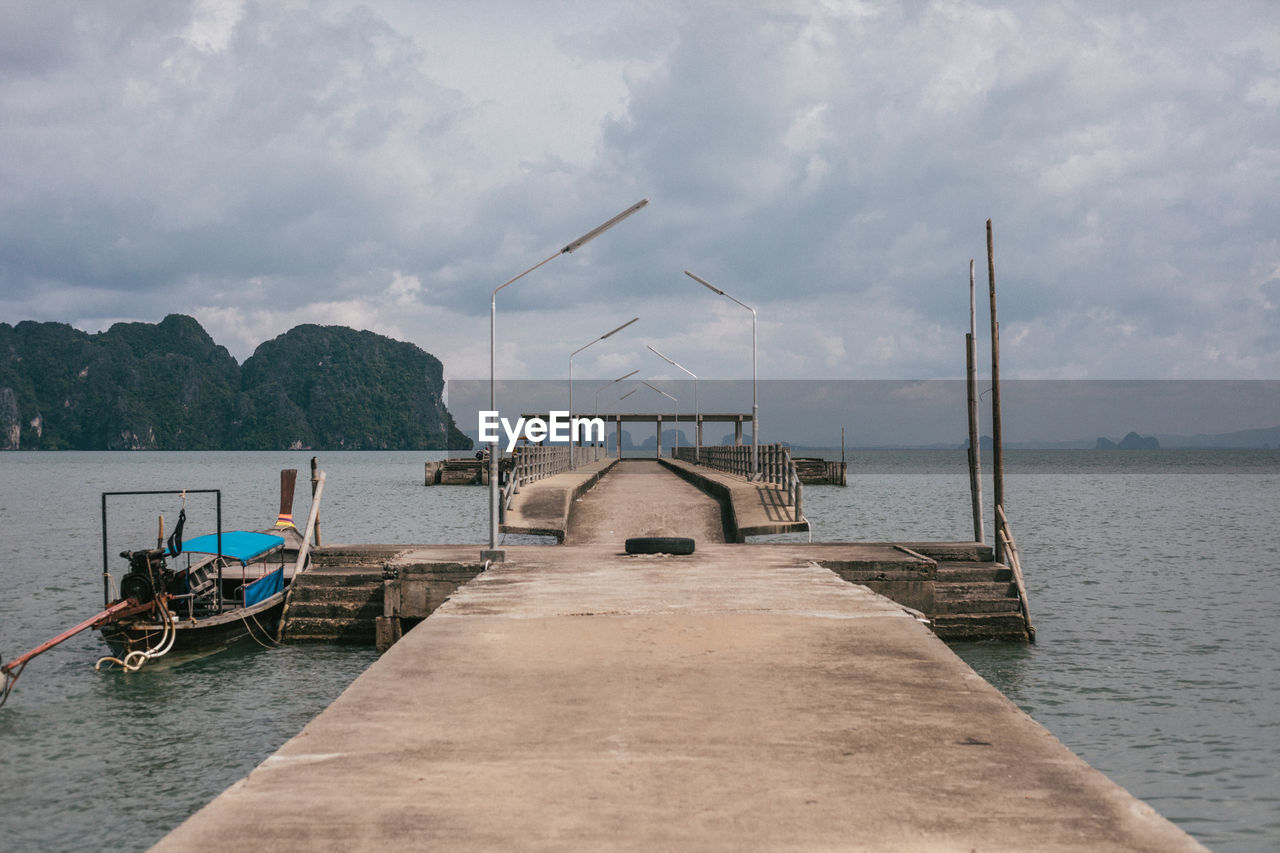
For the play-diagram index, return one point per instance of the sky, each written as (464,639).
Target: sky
(386,165)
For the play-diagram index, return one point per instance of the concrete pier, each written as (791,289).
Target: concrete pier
(741,697)
(578,698)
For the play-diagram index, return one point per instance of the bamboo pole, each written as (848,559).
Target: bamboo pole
(997,446)
(316,478)
(975,442)
(313,526)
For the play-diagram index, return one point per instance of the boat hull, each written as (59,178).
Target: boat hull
(258,622)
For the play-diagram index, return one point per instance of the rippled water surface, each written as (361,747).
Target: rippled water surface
(1154,581)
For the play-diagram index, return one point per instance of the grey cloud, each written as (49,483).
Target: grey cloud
(1117,155)
(266,159)
(831,164)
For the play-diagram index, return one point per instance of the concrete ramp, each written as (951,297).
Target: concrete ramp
(640,497)
(613,500)
(575,698)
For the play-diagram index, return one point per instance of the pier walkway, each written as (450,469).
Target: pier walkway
(646,497)
(743,697)
(642,498)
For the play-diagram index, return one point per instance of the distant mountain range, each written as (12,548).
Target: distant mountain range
(1256,439)
(1248,438)
(1242,439)
(169,386)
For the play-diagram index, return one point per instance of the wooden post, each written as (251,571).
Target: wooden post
(315,482)
(997,446)
(975,441)
(844,468)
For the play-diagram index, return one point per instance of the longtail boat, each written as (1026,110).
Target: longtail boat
(199,595)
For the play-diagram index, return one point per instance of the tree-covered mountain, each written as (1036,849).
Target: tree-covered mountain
(169,386)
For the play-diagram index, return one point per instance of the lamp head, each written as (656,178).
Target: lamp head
(702,281)
(600,229)
(619,329)
(660,355)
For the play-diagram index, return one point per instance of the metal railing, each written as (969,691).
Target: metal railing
(776,467)
(1010,548)
(535,462)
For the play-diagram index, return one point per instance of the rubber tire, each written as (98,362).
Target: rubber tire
(660,545)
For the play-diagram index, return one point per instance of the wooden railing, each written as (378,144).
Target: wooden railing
(1010,550)
(776,467)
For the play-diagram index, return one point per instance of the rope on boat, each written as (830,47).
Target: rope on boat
(245,617)
(134,660)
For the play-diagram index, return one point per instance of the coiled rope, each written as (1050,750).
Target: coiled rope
(134,660)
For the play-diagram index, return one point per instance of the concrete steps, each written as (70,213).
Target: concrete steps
(976,599)
(964,571)
(981,626)
(333,606)
(349,591)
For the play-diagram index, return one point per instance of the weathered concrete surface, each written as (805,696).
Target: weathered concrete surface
(545,508)
(576,698)
(757,509)
(641,498)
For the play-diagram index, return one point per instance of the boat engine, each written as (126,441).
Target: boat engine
(147,575)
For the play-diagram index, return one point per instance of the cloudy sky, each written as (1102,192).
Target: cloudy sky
(385,165)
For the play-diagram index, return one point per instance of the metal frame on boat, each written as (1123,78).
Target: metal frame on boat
(207,603)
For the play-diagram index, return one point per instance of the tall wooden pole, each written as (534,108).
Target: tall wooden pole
(997,447)
(315,485)
(975,442)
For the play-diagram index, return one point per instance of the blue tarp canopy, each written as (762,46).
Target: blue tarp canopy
(264,587)
(242,545)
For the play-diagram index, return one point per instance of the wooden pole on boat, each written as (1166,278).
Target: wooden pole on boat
(997,446)
(316,476)
(313,522)
(13,668)
(975,442)
(288,481)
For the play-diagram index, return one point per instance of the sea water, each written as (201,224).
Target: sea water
(1154,581)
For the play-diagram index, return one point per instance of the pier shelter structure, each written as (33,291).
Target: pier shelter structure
(658,419)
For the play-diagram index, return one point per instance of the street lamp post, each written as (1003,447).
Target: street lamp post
(755,407)
(620,399)
(619,417)
(677,413)
(572,464)
(493,553)
(614,382)
(697,411)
